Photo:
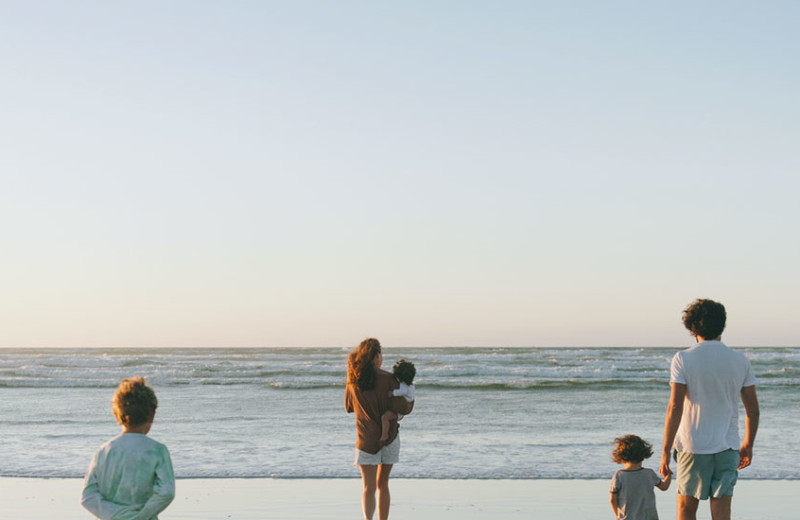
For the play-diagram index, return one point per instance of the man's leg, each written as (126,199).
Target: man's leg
(687,508)
(369,478)
(725,476)
(721,508)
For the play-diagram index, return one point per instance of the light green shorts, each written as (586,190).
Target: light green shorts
(707,475)
(389,454)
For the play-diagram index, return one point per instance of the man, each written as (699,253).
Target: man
(702,418)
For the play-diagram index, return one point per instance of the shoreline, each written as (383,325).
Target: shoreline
(427,479)
(24,498)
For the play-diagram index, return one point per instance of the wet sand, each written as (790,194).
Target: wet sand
(418,499)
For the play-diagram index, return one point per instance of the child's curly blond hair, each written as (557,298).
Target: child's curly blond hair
(134,402)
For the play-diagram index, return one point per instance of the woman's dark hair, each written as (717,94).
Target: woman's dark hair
(705,318)
(631,448)
(361,364)
(404,371)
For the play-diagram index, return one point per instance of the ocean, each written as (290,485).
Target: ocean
(480,413)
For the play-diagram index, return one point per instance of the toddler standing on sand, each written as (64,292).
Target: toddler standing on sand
(632,496)
(404,371)
(130,476)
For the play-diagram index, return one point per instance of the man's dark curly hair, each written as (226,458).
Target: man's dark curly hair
(705,318)
(404,371)
(631,448)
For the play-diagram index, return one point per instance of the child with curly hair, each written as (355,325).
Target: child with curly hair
(404,371)
(632,496)
(130,476)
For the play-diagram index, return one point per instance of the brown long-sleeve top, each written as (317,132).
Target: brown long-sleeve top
(369,406)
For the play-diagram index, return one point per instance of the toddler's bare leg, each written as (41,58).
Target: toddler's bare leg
(385,418)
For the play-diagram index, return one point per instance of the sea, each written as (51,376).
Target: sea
(480,413)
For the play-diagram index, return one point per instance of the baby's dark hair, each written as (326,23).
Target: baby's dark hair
(404,371)
(631,448)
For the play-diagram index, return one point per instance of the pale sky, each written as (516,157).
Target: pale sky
(243,173)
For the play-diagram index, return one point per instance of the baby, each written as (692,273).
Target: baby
(404,371)
(632,496)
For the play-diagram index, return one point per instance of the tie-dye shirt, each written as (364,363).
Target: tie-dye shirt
(129,478)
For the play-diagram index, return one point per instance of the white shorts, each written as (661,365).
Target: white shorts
(389,454)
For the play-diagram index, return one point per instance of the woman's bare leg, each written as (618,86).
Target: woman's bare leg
(384,498)
(369,479)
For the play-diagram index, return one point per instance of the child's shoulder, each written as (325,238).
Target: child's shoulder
(654,475)
(618,474)
(132,441)
(634,474)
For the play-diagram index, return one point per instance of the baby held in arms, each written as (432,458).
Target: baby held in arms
(404,372)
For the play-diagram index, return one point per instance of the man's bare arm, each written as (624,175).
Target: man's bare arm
(750,401)
(671,422)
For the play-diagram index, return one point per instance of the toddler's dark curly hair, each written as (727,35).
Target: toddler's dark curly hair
(631,448)
(404,371)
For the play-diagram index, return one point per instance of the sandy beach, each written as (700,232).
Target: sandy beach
(420,499)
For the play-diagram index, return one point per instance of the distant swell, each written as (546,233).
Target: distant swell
(513,386)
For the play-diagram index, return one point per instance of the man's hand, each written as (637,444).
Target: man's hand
(664,470)
(745,455)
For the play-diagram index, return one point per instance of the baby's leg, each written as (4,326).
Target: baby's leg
(385,418)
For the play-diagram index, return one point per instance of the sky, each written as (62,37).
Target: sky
(244,174)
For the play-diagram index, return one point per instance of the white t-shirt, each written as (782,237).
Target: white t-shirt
(406,391)
(714,376)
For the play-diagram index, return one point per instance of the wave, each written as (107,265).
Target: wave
(424,475)
(519,385)
(443,368)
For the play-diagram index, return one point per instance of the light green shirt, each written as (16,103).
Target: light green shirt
(129,478)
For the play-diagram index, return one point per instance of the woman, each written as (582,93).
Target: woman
(367,396)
